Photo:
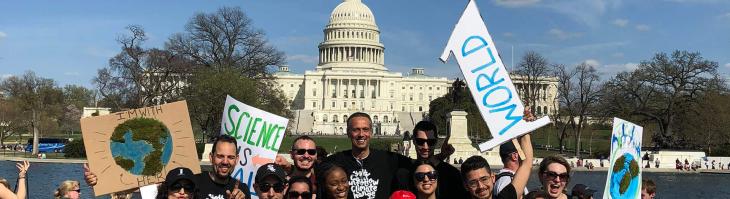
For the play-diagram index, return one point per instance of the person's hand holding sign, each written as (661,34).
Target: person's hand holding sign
(89,176)
(236,193)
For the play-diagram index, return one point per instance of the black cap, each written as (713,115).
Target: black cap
(176,174)
(507,148)
(582,191)
(268,170)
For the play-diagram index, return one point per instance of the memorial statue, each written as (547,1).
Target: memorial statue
(457,93)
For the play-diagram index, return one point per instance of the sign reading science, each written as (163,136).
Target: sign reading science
(487,79)
(137,147)
(259,135)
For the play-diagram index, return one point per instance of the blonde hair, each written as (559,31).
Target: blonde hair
(64,188)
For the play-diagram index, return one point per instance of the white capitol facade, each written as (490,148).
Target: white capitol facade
(351,77)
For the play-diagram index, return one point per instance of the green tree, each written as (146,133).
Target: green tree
(39,101)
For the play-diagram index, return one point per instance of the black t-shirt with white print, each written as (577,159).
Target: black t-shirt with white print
(209,189)
(376,176)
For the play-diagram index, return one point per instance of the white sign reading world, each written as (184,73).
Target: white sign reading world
(487,79)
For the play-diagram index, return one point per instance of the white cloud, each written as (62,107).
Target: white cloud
(618,55)
(562,35)
(724,16)
(2,35)
(620,22)
(5,76)
(621,67)
(516,3)
(304,58)
(643,27)
(727,65)
(508,34)
(592,62)
(696,1)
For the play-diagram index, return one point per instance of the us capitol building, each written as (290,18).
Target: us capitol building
(351,77)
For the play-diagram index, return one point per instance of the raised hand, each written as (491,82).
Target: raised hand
(236,193)
(281,161)
(22,168)
(89,176)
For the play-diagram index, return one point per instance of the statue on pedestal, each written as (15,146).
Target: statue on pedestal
(457,93)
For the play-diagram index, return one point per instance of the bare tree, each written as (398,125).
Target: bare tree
(588,93)
(566,101)
(226,39)
(660,90)
(138,77)
(532,69)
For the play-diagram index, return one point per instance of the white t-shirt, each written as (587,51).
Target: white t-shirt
(504,181)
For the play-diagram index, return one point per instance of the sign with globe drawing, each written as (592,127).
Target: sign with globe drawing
(624,174)
(137,147)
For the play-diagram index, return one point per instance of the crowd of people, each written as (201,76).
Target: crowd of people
(362,172)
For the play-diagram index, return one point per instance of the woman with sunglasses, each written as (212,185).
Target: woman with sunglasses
(426,180)
(554,174)
(333,183)
(68,189)
(299,188)
(179,184)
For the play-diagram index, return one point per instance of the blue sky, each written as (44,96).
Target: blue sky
(69,40)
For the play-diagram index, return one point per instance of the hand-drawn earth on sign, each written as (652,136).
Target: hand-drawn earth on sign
(142,146)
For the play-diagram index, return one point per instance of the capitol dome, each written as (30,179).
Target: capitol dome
(351,40)
(352,12)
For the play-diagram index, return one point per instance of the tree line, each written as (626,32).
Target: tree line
(678,97)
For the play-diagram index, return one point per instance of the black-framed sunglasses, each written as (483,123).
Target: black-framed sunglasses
(278,187)
(304,195)
(421,141)
(302,151)
(421,176)
(177,186)
(77,190)
(550,175)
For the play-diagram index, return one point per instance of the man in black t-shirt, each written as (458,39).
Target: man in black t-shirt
(219,183)
(425,139)
(373,174)
(479,179)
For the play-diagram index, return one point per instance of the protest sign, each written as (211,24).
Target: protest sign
(137,147)
(624,173)
(487,79)
(259,135)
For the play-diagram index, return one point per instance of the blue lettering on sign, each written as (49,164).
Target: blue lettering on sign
(239,176)
(491,84)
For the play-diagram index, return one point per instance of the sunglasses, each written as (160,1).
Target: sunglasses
(177,186)
(77,190)
(421,141)
(552,175)
(302,151)
(421,176)
(278,187)
(304,195)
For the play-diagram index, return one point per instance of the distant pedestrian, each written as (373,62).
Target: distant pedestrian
(713,164)
(461,161)
(656,162)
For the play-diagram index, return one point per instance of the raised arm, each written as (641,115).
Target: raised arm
(523,173)
(22,171)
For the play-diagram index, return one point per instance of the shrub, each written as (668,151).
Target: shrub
(75,149)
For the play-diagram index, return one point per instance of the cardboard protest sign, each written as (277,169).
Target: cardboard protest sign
(624,173)
(259,135)
(487,79)
(137,147)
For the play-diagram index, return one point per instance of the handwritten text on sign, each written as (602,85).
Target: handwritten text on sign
(258,133)
(487,79)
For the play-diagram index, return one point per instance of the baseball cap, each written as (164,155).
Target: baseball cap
(507,148)
(176,174)
(269,169)
(582,191)
(402,194)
